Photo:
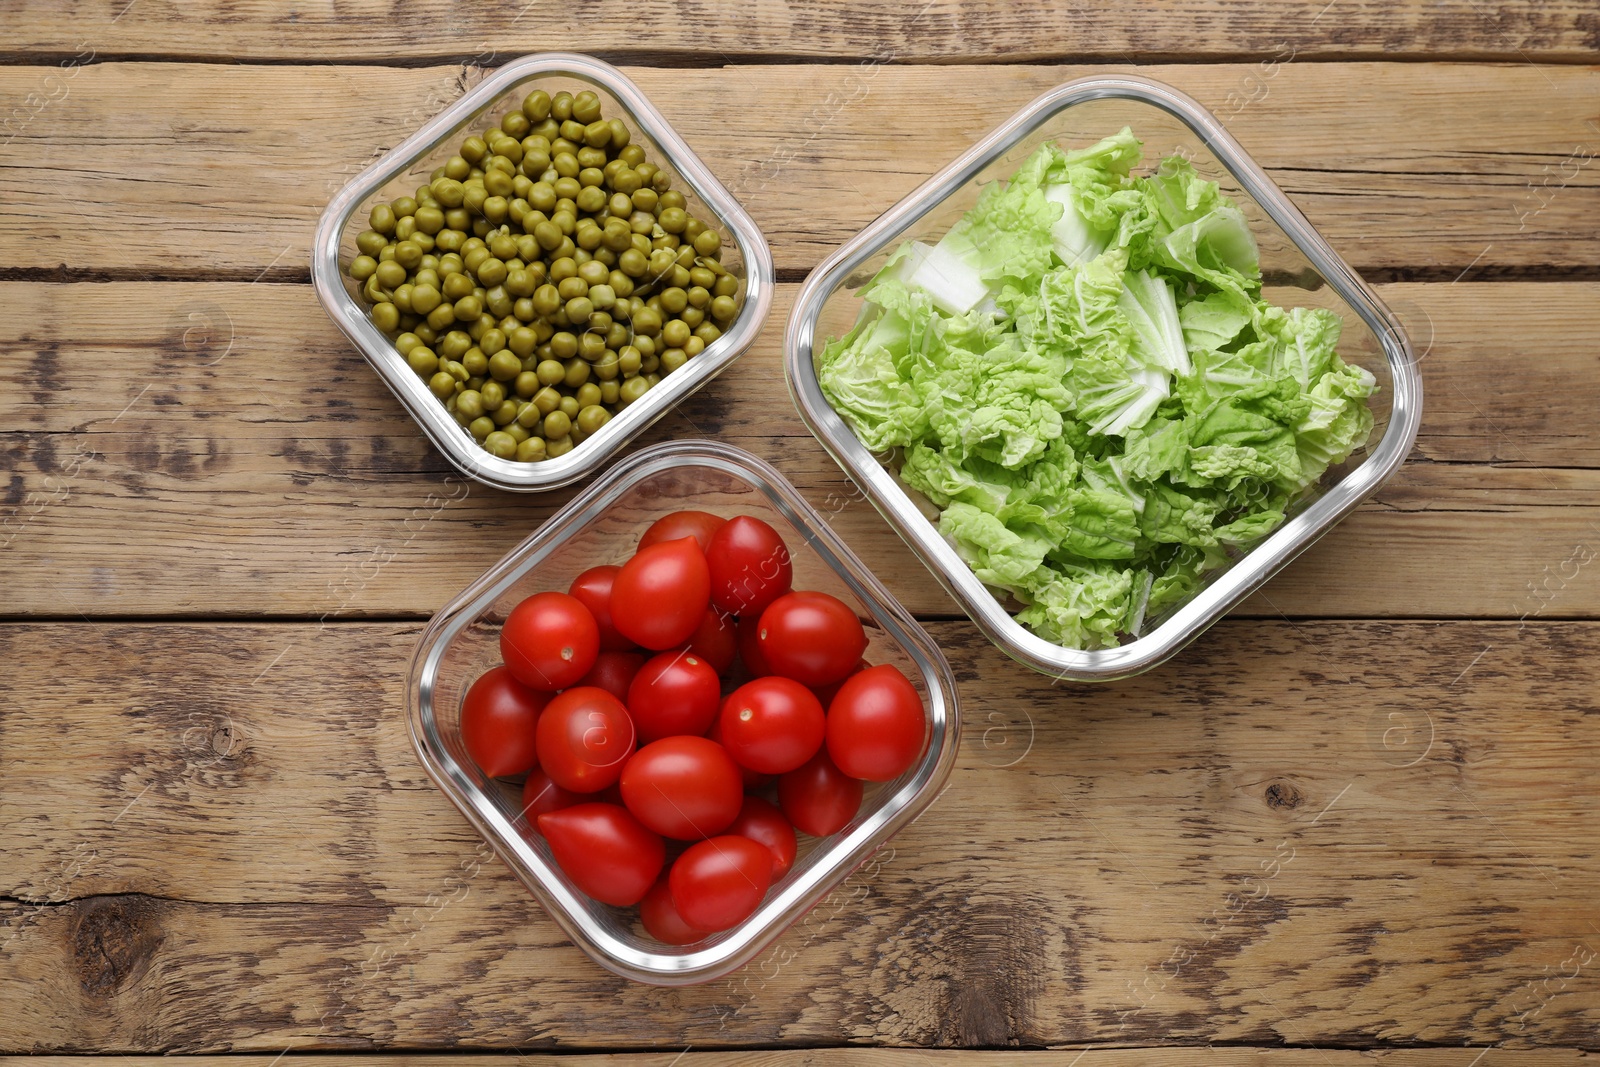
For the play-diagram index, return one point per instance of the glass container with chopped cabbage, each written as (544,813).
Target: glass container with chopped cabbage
(1084,378)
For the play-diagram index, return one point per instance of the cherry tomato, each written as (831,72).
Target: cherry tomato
(605,851)
(662,921)
(772,725)
(683,787)
(613,672)
(498,718)
(674,693)
(585,736)
(592,588)
(876,724)
(750,648)
(813,638)
(716,641)
(549,641)
(819,798)
(717,884)
(826,693)
(750,566)
(751,779)
(764,823)
(699,525)
(660,596)
(540,796)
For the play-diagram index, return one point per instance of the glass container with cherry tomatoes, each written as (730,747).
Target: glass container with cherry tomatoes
(682,712)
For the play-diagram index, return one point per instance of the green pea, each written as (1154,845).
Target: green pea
(723,308)
(536,105)
(386,317)
(551,371)
(449,192)
(708,243)
(532,450)
(422,360)
(504,366)
(470,403)
(632,390)
(579,308)
(647,321)
(499,443)
(676,333)
(556,425)
(672,359)
(442,385)
(363,267)
(491,272)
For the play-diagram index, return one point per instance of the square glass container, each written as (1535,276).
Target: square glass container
(603,525)
(408,165)
(1298,268)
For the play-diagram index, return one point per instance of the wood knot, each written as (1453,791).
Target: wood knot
(1283,796)
(113,941)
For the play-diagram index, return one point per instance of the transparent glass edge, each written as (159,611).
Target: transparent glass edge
(1249,573)
(422,406)
(775,916)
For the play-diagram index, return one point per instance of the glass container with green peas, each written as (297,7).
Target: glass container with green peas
(545,241)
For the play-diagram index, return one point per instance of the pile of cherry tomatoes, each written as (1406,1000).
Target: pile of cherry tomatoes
(611,700)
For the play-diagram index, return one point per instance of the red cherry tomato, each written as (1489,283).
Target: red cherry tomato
(605,851)
(699,525)
(662,921)
(750,566)
(826,693)
(613,672)
(585,736)
(772,725)
(716,641)
(876,724)
(717,884)
(674,693)
(819,798)
(592,588)
(540,796)
(683,787)
(764,823)
(813,638)
(751,779)
(498,718)
(549,641)
(660,596)
(750,648)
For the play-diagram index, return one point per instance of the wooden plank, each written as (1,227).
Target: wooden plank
(943,31)
(219,449)
(892,1057)
(1318,834)
(1391,161)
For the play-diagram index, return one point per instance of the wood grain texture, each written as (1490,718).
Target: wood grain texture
(903,31)
(890,1057)
(1410,169)
(220,449)
(1313,834)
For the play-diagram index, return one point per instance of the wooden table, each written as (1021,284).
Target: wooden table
(1356,822)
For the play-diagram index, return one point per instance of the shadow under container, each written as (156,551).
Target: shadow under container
(603,525)
(745,255)
(1298,269)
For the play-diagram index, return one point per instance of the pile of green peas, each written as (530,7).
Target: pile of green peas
(546,277)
